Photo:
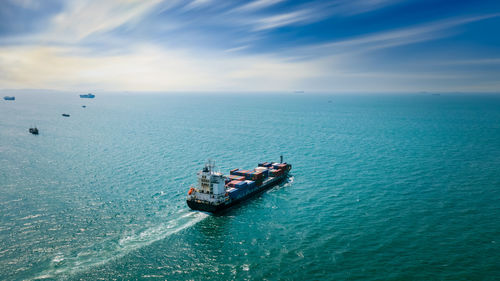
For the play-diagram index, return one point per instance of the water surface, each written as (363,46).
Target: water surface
(383,187)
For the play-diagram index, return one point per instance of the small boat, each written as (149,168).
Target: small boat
(87,96)
(65,115)
(84,106)
(33,131)
(9,98)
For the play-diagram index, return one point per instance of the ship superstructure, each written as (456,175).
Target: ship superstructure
(211,185)
(216,192)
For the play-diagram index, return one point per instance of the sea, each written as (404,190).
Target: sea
(383,186)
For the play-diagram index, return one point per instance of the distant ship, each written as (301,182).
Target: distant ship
(65,115)
(9,98)
(33,131)
(216,192)
(84,106)
(87,96)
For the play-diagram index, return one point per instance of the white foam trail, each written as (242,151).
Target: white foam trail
(62,265)
(30,217)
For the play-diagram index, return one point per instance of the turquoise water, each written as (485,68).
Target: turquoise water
(383,187)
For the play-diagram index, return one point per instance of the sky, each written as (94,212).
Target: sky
(339,46)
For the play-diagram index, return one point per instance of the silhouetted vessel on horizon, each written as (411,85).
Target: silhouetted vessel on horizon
(87,96)
(33,131)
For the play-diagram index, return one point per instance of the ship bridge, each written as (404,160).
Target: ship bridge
(210,185)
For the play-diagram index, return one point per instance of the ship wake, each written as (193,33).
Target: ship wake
(68,264)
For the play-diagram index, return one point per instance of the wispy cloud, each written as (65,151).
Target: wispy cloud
(393,38)
(146,67)
(482,61)
(81,19)
(236,49)
(349,8)
(197,4)
(304,13)
(285,19)
(256,5)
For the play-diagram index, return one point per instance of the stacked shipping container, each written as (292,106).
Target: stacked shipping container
(257,176)
(236,178)
(236,184)
(240,182)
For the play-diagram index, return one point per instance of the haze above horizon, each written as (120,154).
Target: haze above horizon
(259,45)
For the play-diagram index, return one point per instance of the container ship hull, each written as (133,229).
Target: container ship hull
(234,192)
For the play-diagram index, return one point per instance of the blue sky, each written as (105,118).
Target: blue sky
(337,46)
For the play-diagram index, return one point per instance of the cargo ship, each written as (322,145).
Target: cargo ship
(33,130)
(87,96)
(216,192)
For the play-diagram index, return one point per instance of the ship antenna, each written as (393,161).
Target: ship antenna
(281,158)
